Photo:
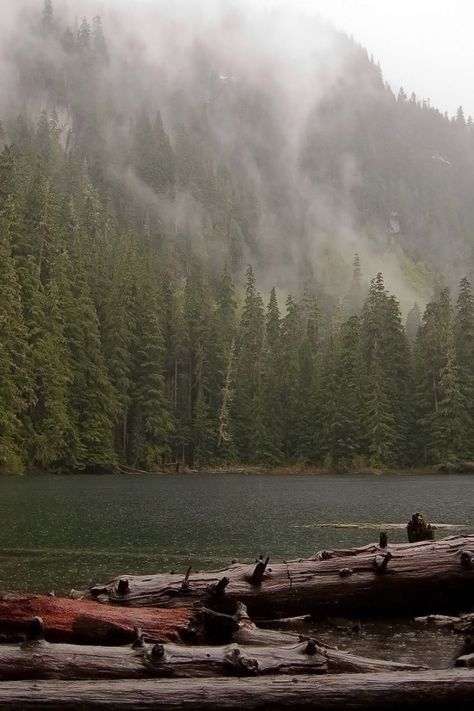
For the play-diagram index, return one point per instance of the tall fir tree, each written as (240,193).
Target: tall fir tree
(246,420)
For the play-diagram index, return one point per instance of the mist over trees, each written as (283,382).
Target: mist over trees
(134,197)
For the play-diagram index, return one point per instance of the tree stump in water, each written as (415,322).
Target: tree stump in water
(419,530)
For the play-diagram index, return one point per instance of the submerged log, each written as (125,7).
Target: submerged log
(85,621)
(42,660)
(338,661)
(346,692)
(414,578)
(459,623)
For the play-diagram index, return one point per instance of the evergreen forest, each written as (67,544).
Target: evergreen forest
(187,277)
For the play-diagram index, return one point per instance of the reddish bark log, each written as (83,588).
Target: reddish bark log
(86,621)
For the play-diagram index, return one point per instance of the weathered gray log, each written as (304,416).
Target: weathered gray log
(339,661)
(345,692)
(85,621)
(414,578)
(42,660)
(459,623)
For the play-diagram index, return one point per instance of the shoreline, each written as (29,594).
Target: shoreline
(249,470)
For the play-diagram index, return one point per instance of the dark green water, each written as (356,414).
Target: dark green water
(58,533)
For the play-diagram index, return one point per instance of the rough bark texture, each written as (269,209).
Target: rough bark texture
(86,621)
(345,692)
(421,577)
(42,660)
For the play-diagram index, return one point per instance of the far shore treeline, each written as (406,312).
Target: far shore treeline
(132,331)
(107,356)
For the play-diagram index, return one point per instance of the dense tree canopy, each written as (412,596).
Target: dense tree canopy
(135,333)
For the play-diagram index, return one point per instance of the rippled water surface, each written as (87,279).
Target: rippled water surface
(62,532)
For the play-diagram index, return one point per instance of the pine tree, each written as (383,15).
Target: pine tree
(245,414)
(269,446)
(291,335)
(92,395)
(84,35)
(355,297)
(151,424)
(385,355)
(52,439)
(13,349)
(450,423)
(118,326)
(464,338)
(431,356)
(343,420)
(308,430)
(222,364)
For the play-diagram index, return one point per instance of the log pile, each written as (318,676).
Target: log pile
(169,641)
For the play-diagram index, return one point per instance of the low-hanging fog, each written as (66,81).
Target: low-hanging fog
(335,162)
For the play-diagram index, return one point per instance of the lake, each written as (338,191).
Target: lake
(63,532)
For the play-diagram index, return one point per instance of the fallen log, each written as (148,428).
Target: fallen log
(458,623)
(345,692)
(85,621)
(411,578)
(339,661)
(41,660)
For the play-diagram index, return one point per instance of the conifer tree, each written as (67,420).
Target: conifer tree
(269,447)
(222,359)
(151,424)
(51,436)
(384,351)
(308,432)
(291,333)
(13,349)
(431,356)
(355,297)
(84,35)
(450,423)
(246,421)
(92,395)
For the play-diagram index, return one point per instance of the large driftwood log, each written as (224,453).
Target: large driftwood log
(85,621)
(421,577)
(339,661)
(345,692)
(42,660)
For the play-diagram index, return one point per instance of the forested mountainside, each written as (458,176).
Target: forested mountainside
(135,191)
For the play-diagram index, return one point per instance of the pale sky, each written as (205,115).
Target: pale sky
(426,46)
